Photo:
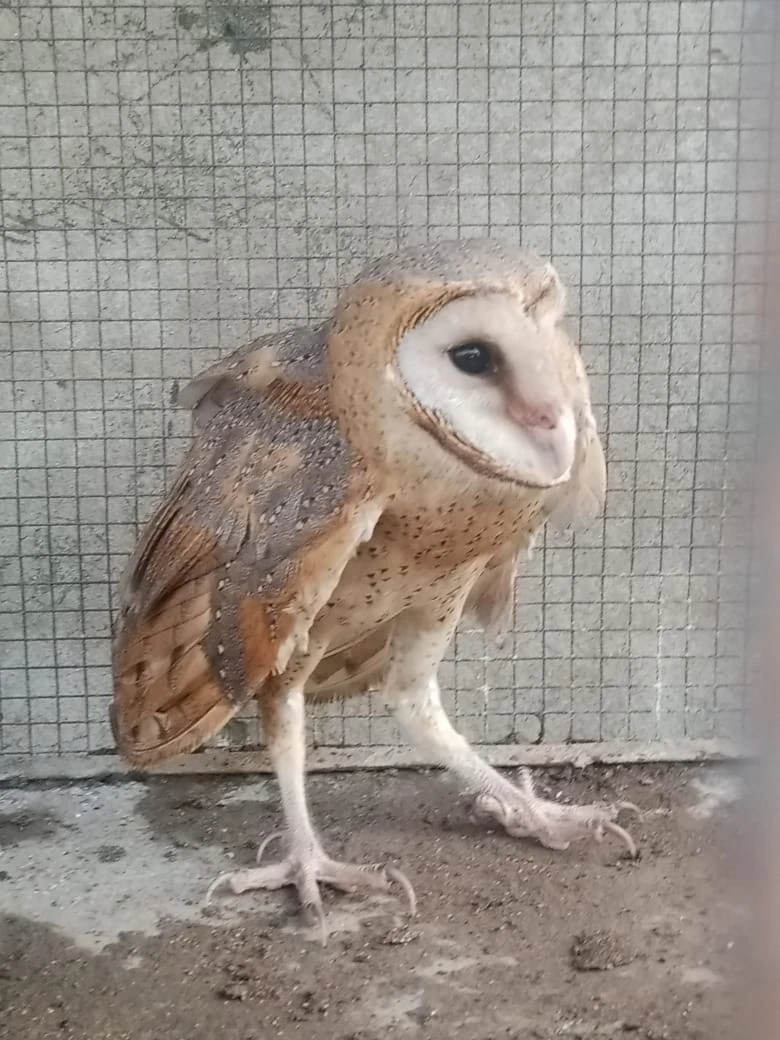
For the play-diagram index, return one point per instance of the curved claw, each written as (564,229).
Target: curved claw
(223,879)
(306,871)
(614,828)
(267,840)
(555,825)
(401,879)
(314,914)
(629,807)
(312,909)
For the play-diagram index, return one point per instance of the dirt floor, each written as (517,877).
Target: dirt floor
(104,935)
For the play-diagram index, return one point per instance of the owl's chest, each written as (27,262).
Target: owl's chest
(421,558)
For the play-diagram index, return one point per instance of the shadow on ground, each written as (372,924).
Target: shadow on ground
(104,935)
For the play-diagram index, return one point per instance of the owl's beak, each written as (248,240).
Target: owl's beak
(553,433)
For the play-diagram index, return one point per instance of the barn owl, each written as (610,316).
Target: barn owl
(352,491)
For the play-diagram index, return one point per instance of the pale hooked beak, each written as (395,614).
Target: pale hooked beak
(553,432)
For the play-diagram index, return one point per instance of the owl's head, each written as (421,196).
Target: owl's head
(467,338)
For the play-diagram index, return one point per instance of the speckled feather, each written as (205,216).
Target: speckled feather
(232,569)
(320,502)
(295,357)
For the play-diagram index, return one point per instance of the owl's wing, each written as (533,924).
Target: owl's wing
(296,355)
(231,570)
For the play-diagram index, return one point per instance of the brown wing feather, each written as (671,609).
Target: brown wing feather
(296,356)
(231,570)
(350,671)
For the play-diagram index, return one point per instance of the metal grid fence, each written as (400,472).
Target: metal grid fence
(178,177)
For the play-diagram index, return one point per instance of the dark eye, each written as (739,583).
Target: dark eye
(475,359)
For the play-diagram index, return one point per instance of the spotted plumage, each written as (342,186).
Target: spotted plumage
(353,489)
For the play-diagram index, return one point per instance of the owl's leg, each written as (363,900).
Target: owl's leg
(518,809)
(306,864)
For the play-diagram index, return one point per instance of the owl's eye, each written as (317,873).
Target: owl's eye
(474,358)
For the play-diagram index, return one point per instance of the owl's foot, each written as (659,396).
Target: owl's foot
(306,869)
(523,815)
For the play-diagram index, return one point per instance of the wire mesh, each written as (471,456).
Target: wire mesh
(176,177)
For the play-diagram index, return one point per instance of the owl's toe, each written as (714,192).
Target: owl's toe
(305,870)
(523,815)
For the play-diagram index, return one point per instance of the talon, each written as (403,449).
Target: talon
(314,914)
(401,879)
(223,879)
(267,840)
(306,869)
(629,807)
(555,825)
(619,832)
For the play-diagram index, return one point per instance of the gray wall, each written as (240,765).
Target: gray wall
(177,177)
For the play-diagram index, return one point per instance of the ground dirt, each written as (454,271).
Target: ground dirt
(104,935)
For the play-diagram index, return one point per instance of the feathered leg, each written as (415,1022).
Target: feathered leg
(519,810)
(306,864)
(417,706)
